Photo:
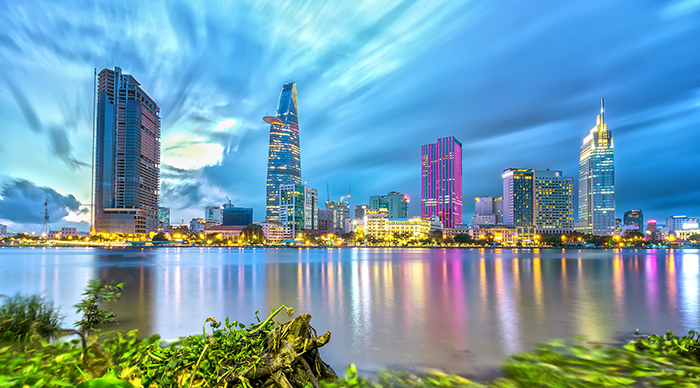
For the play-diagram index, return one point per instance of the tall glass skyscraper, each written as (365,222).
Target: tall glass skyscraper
(127,156)
(596,183)
(518,197)
(284,158)
(441,181)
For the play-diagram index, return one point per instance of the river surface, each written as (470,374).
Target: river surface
(459,310)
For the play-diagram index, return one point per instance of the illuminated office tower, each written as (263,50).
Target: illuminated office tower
(395,203)
(484,211)
(298,208)
(284,158)
(518,197)
(441,181)
(127,156)
(163,218)
(213,213)
(596,183)
(554,202)
(634,219)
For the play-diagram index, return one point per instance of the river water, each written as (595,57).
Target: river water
(459,310)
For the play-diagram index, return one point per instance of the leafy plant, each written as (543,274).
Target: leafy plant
(22,316)
(97,291)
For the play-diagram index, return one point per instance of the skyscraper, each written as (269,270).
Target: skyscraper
(441,181)
(298,208)
(518,197)
(634,219)
(127,156)
(395,203)
(284,158)
(596,183)
(554,202)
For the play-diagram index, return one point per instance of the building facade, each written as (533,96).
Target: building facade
(675,223)
(484,211)
(633,219)
(284,157)
(441,181)
(360,211)
(213,213)
(163,218)
(395,203)
(299,208)
(379,225)
(596,183)
(554,202)
(127,156)
(341,212)
(236,216)
(3,230)
(518,197)
(275,232)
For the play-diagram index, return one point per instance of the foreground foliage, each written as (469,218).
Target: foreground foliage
(266,355)
(654,361)
(24,315)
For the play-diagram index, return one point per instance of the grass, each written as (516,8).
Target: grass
(22,316)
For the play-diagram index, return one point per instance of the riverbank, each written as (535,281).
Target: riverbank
(231,247)
(124,361)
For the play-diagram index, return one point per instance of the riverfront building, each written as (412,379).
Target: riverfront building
(633,219)
(127,156)
(596,183)
(298,208)
(518,197)
(677,222)
(284,157)
(395,203)
(213,213)
(236,216)
(554,202)
(360,211)
(484,211)
(538,201)
(163,218)
(441,181)
(379,225)
(341,212)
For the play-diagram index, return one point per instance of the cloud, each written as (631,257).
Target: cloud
(22,202)
(375,80)
(55,136)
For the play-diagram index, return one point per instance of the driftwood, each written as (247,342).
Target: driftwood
(291,359)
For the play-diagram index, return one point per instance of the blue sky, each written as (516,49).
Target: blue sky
(518,83)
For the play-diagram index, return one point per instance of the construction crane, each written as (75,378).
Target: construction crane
(352,208)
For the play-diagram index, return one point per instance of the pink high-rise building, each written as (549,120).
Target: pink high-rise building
(441,176)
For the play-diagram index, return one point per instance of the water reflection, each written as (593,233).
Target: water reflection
(461,310)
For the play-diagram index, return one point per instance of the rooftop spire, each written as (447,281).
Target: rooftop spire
(602,105)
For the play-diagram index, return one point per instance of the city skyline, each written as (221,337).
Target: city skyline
(522,100)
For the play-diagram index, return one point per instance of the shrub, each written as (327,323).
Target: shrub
(21,316)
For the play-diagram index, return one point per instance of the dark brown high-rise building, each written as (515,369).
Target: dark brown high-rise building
(127,156)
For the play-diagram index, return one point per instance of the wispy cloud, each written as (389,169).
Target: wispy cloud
(375,79)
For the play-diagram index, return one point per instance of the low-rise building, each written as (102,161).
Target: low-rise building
(225,231)
(378,225)
(275,232)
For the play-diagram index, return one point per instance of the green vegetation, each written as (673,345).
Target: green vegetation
(253,234)
(264,354)
(654,361)
(22,316)
(97,291)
